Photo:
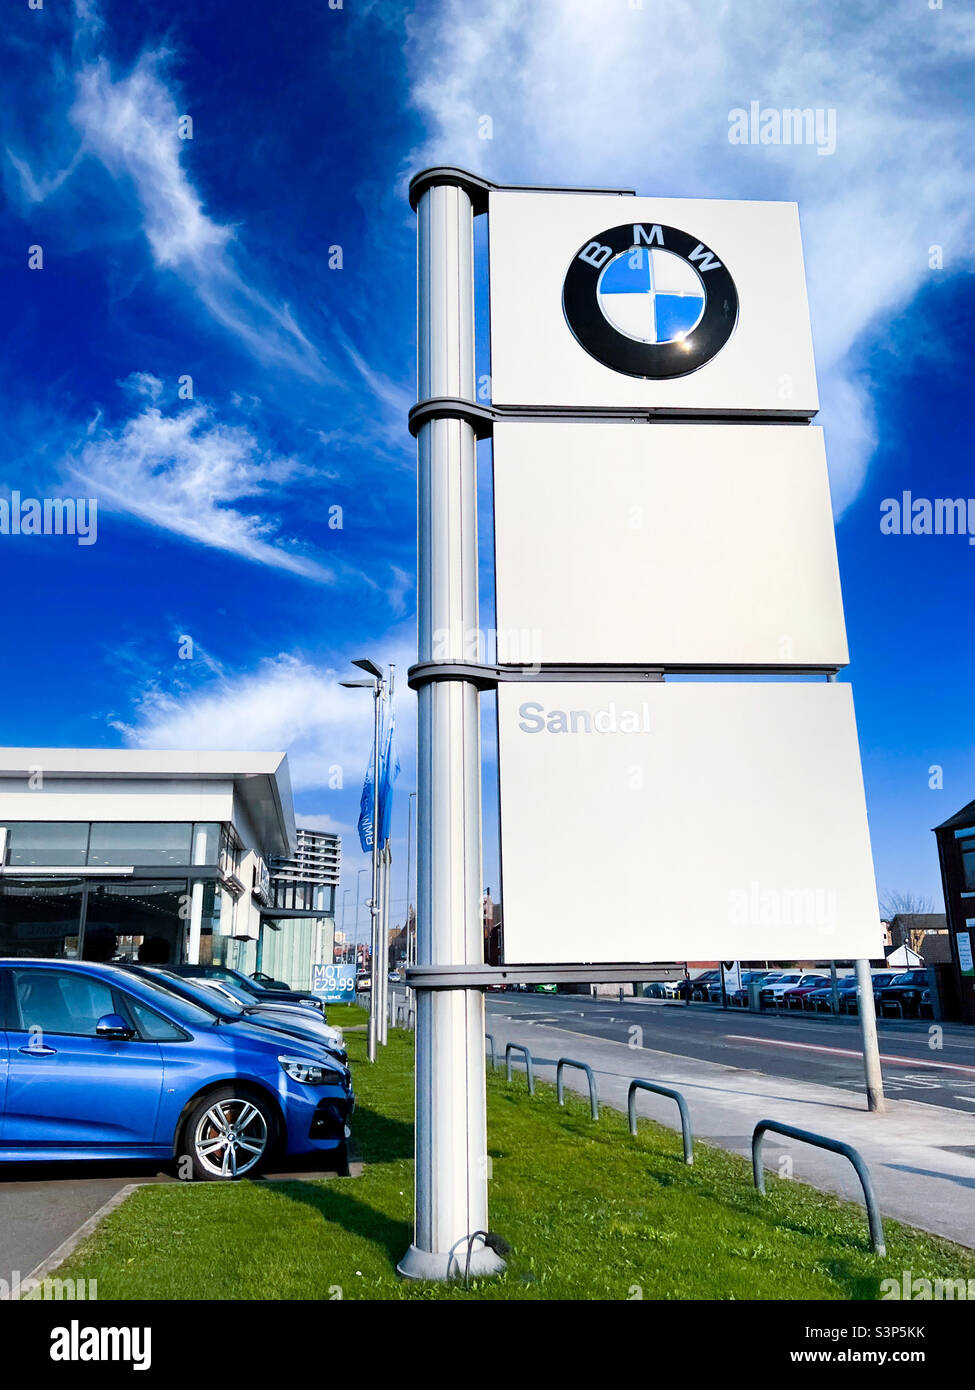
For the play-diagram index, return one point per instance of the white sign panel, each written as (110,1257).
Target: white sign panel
(683,821)
(668,544)
(669,304)
(731,975)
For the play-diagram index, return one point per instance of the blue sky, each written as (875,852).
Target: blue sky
(209,258)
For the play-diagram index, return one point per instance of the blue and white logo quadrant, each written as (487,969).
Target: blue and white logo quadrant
(651,295)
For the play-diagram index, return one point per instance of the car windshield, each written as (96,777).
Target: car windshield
(178,1007)
(240,982)
(231,987)
(214,1001)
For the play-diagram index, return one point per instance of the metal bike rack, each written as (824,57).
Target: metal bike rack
(489,1038)
(517,1047)
(560,1088)
(835,1146)
(685,1115)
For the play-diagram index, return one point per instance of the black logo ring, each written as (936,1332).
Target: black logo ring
(655,360)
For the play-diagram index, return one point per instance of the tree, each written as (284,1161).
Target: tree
(894,903)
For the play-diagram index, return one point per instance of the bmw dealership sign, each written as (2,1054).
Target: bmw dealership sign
(676,306)
(662,502)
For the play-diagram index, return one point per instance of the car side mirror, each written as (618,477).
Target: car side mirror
(114,1026)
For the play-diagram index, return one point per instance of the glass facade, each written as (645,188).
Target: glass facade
(136,919)
(303,896)
(112,844)
(141,917)
(132,919)
(87,907)
(41,918)
(35,843)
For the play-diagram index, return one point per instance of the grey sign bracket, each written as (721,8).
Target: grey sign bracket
(483,418)
(486,677)
(480,417)
(483,976)
(478,188)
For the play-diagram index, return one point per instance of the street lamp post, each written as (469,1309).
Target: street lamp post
(381,690)
(345,939)
(355,946)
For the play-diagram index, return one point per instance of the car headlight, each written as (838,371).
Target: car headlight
(310,1073)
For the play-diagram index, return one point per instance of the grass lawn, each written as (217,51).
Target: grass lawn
(590,1213)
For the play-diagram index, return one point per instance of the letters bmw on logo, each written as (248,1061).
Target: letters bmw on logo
(649,301)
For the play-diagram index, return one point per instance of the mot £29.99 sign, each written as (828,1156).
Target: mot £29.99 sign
(651,301)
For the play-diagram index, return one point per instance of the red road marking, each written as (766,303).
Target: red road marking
(846,1052)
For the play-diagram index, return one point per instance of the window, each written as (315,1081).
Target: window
(119,843)
(968,864)
(206,842)
(47,843)
(40,919)
(56,1001)
(136,919)
(230,849)
(152,1026)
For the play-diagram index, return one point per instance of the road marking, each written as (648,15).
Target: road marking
(846,1052)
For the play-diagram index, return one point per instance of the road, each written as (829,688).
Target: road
(802,1047)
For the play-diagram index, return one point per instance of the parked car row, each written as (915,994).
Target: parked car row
(907,995)
(140,1062)
(896,993)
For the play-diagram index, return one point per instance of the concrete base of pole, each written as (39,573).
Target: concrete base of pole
(420,1264)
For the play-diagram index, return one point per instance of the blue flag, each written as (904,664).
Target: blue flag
(365,811)
(388,772)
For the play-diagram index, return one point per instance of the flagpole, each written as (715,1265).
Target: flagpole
(374,901)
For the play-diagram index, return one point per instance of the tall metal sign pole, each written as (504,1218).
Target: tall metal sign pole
(451,1125)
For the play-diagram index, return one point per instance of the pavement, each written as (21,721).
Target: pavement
(921,1155)
(43,1205)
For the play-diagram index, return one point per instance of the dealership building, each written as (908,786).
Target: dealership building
(956,853)
(129,854)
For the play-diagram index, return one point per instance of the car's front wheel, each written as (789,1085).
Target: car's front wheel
(229,1134)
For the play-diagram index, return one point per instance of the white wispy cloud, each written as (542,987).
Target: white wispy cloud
(188,473)
(285,703)
(639,96)
(131,124)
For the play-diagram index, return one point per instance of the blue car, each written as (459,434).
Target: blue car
(96,1062)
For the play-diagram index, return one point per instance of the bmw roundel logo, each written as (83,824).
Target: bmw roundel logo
(649,300)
